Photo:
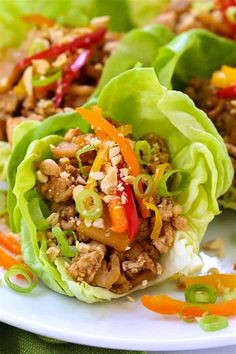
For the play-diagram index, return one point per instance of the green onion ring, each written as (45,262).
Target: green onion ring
(23,270)
(65,248)
(143,151)
(95,211)
(85,149)
(39,213)
(200,294)
(149,185)
(37,82)
(212,323)
(180,183)
(190,319)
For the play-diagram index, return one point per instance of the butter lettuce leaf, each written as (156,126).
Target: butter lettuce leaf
(5,152)
(197,53)
(134,97)
(194,53)
(137,46)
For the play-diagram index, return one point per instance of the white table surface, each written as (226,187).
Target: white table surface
(222,350)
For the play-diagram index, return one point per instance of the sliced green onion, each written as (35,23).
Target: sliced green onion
(85,149)
(173,183)
(39,213)
(36,47)
(37,82)
(200,294)
(147,180)
(190,318)
(212,323)
(229,296)
(230,14)
(92,212)
(23,270)
(65,248)
(143,151)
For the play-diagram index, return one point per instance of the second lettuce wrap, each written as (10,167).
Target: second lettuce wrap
(188,63)
(134,98)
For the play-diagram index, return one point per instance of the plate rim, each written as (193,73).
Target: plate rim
(217,339)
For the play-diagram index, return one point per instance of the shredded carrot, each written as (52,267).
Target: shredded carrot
(118,217)
(7,260)
(38,20)
(166,305)
(10,243)
(215,280)
(95,118)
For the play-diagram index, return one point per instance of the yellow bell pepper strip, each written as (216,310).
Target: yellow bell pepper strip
(158,221)
(38,20)
(224,77)
(214,280)
(118,217)
(125,129)
(95,119)
(100,159)
(119,241)
(166,305)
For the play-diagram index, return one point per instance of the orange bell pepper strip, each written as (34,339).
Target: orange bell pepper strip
(215,280)
(10,243)
(95,119)
(118,217)
(7,260)
(38,20)
(166,305)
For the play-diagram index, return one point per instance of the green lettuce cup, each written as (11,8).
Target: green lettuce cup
(188,63)
(149,128)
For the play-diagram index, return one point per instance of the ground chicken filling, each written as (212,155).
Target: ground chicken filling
(222,112)
(51,83)
(105,257)
(181,16)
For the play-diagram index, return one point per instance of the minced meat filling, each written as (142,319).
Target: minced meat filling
(100,261)
(222,112)
(181,16)
(26,101)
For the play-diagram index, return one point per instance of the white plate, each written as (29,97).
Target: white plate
(119,324)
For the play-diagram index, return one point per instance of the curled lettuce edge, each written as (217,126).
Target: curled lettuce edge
(197,52)
(134,97)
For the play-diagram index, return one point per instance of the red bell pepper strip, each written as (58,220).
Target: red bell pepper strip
(130,208)
(227,92)
(70,73)
(85,41)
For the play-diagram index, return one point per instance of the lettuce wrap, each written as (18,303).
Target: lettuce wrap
(188,62)
(132,99)
(137,46)
(124,14)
